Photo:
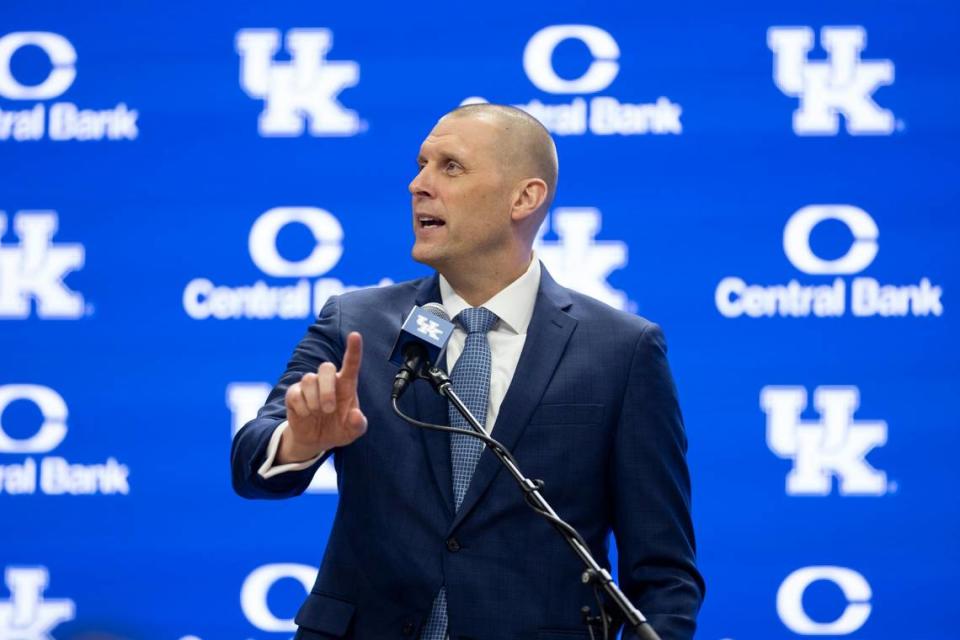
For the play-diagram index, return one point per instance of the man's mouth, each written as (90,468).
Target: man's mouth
(426,222)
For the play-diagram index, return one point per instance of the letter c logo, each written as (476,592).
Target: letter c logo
(796,239)
(54,410)
(855,589)
(253,594)
(538,59)
(62,57)
(326,230)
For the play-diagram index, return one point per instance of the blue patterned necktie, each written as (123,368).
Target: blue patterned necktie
(471,381)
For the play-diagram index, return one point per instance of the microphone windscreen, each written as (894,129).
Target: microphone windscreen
(436,309)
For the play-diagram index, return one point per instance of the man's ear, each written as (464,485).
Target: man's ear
(528,198)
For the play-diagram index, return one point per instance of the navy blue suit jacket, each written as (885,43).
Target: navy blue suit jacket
(592,411)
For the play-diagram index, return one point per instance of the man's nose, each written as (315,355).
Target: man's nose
(420,185)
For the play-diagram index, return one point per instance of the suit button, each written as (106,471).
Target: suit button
(408,628)
(453,545)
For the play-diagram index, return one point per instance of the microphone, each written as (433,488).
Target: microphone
(422,338)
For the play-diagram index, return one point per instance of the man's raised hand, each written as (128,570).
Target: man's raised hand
(323,410)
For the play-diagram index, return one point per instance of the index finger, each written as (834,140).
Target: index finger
(351,359)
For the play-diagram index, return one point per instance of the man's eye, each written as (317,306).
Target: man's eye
(453,166)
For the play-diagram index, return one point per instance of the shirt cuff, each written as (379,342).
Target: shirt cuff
(268,470)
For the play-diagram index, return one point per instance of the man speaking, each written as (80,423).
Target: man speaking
(432,539)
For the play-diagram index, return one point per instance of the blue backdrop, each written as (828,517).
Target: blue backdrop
(182,185)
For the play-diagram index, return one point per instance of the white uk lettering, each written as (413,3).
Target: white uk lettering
(842,84)
(834,446)
(429,327)
(34,269)
(305,88)
(580,261)
(244,400)
(28,614)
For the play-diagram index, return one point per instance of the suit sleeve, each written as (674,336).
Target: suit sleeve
(651,488)
(322,343)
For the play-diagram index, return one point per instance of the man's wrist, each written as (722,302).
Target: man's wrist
(290,452)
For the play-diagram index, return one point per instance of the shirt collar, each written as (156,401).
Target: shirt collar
(513,304)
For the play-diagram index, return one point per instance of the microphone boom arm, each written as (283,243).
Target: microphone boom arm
(593,574)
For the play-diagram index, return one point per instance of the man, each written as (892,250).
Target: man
(431,539)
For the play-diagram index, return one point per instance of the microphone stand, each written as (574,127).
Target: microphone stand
(593,574)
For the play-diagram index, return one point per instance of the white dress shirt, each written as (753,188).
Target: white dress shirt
(513,305)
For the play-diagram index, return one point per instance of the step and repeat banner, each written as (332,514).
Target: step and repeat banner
(183,185)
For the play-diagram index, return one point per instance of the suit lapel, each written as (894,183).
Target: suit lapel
(547,336)
(431,407)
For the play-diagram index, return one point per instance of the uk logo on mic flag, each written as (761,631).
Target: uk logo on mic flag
(424,328)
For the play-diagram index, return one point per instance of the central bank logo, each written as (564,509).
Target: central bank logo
(28,615)
(304,89)
(33,270)
(63,120)
(52,475)
(256,588)
(577,259)
(855,588)
(603,115)
(867,297)
(841,84)
(835,446)
(244,400)
(260,603)
(202,299)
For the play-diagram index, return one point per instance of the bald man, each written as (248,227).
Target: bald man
(431,539)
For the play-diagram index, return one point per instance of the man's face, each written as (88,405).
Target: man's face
(461,198)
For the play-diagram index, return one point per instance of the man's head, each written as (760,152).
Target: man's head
(487,175)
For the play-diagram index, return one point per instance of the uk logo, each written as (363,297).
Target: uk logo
(841,84)
(834,446)
(580,261)
(304,89)
(34,269)
(244,400)
(429,327)
(27,615)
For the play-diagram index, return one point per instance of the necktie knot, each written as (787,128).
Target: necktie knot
(477,319)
